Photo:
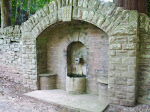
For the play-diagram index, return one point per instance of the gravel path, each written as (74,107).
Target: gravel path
(137,108)
(13,100)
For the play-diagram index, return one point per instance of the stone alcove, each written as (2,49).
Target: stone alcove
(88,42)
(120,25)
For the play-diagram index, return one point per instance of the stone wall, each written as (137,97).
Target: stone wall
(120,25)
(10,53)
(144,60)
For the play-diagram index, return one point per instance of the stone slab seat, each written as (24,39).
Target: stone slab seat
(103,89)
(47,74)
(103,80)
(47,81)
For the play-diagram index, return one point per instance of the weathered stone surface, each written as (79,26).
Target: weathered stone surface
(19,47)
(115,47)
(67,13)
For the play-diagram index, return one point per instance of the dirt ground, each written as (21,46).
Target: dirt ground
(13,100)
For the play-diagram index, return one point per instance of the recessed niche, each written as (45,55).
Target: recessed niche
(76,60)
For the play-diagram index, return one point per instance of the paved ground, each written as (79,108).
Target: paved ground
(82,102)
(13,100)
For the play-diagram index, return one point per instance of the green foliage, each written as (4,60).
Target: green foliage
(34,6)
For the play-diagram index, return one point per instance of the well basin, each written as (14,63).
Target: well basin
(75,85)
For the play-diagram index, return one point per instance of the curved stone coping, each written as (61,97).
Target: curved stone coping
(103,80)
(11,30)
(47,74)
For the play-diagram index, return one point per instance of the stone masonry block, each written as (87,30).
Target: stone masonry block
(131,89)
(114,100)
(85,3)
(116,60)
(133,18)
(80,3)
(85,14)
(127,103)
(95,19)
(132,68)
(90,16)
(122,53)
(75,3)
(129,46)
(112,53)
(67,13)
(46,9)
(33,77)
(101,20)
(115,47)
(75,13)
(131,61)
(111,80)
(121,81)
(112,40)
(132,53)
(129,74)
(51,8)
(112,67)
(122,68)
(121,97)
(59,3)
(55,5)
(133,39)
(131,96)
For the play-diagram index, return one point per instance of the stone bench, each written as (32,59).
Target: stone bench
(103,89)
(47,81)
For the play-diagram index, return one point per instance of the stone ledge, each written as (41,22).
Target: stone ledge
(47,74)
(103,80)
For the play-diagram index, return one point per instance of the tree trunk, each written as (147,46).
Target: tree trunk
(140,5)
(16,12)
(28,9)
(5,19)
(119,3)
(143,6)
(127,4)
(21,3)
(11,12)
(134,4)
(19,12)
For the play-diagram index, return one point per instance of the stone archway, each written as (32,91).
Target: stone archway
(52,50)
(121,27)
